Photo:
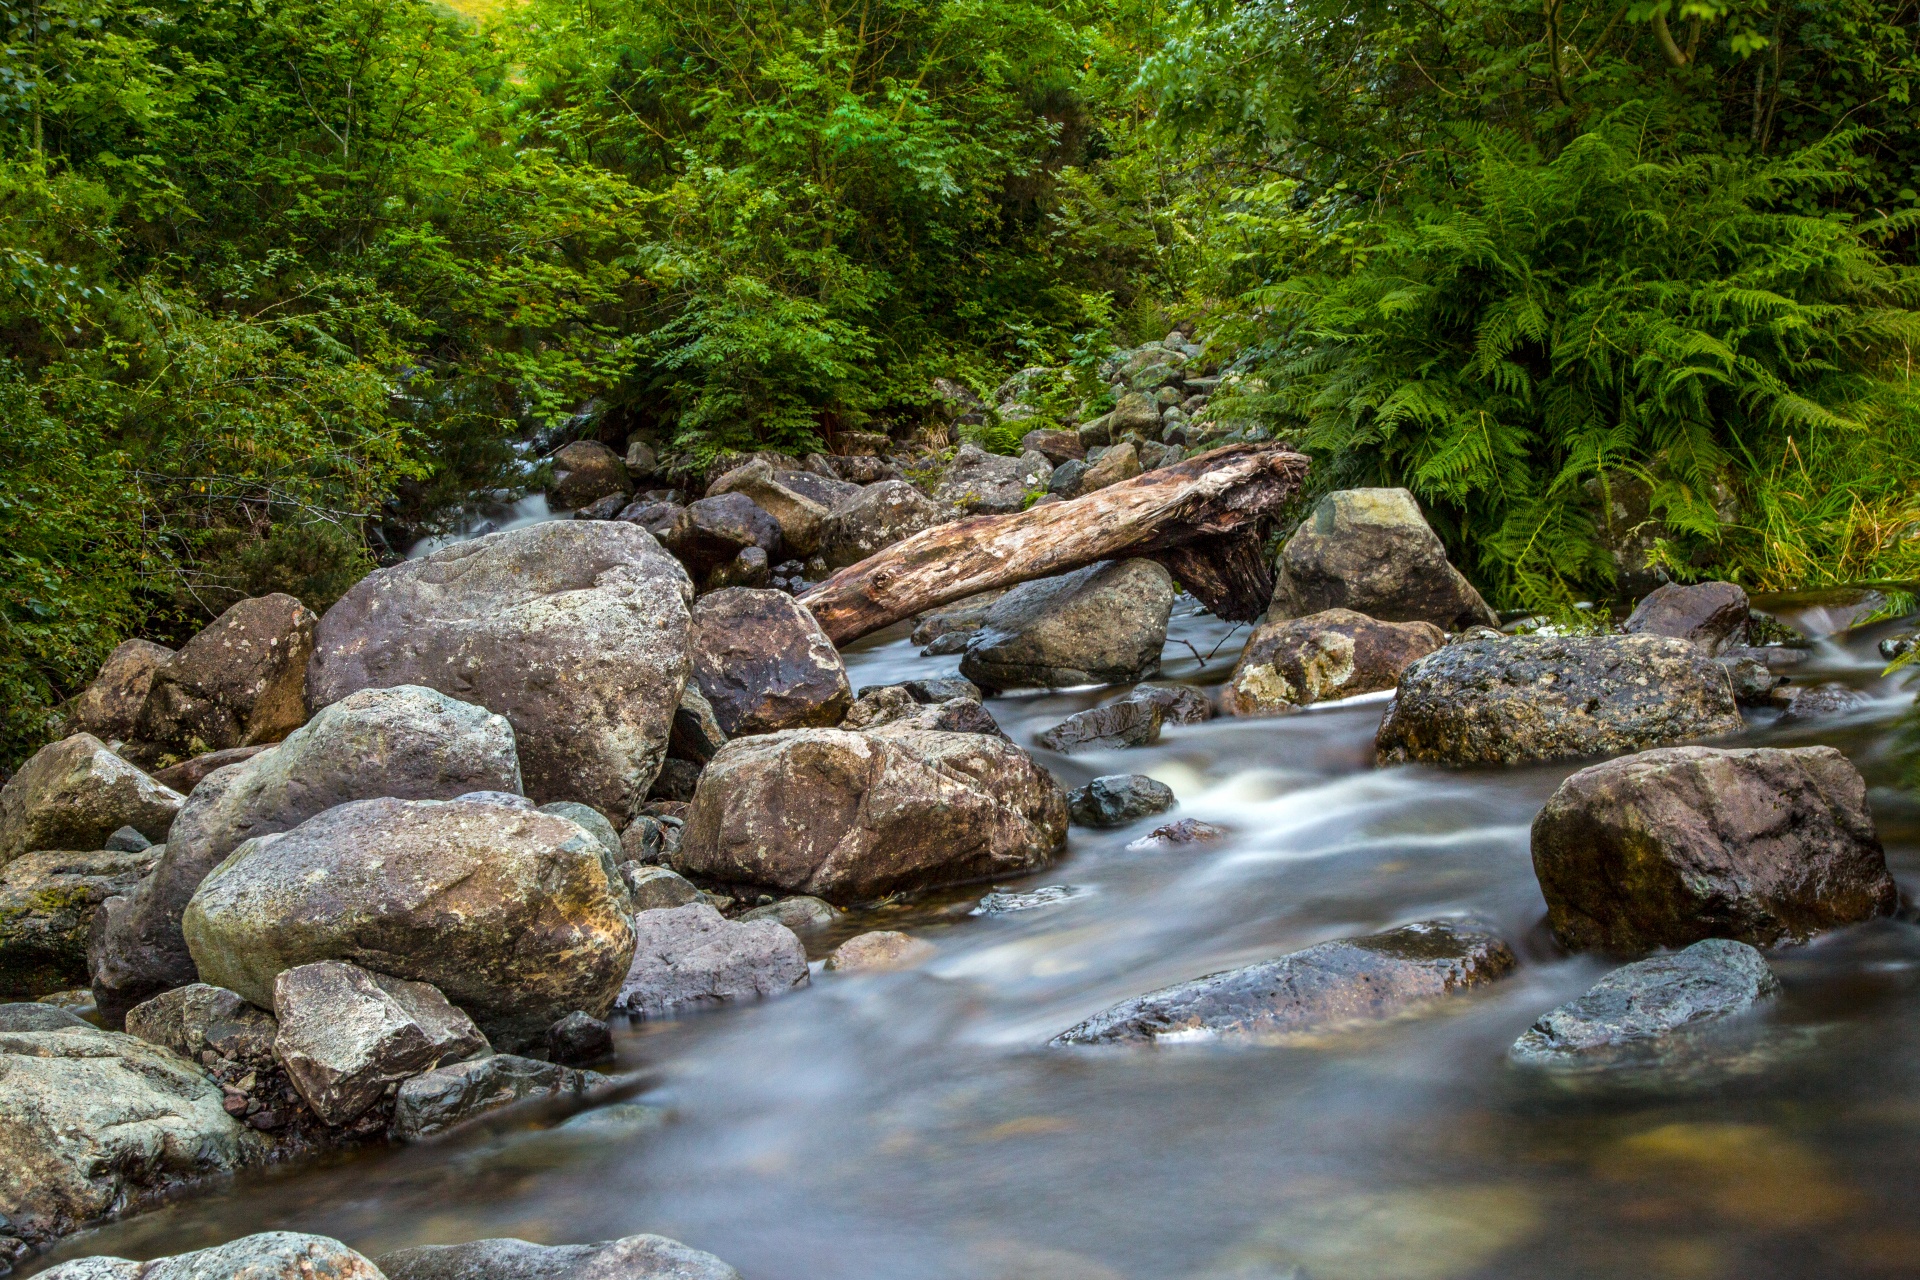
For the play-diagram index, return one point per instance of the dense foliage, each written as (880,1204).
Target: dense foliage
(284,282)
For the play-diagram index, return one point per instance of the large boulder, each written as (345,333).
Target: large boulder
(851,817)
(631,1258)
(346,1034)
(94,1122)
(516,915)
(109,708)
(1711,614)
(48,901)
(1370,550)
(981,483)
(764,664)
(1355,980)
(271,1255)
(74,793)
(691,957)
(585,472)
(240,681)
(575,631)
(437,1100)
(1333,654)
(1513,699)
(878,516)
(407,741)
(1644,1002)
(802,517)
(1667,847)
(1104,624)
(714,531)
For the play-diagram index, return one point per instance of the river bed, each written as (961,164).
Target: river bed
(913,1126)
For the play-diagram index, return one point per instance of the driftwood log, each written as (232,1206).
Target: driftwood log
(1205,518)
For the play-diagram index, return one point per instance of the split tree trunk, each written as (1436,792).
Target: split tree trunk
(1204,518)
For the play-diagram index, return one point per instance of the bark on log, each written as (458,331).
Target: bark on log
(1204,517)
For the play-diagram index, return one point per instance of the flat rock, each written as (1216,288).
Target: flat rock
(74,793)
(1336,653)
(877,517)
(271,1255)
(1521,698)
(240,681)
(764,664)
(1667,847)
(1104,624)
(512,913)
(435,1101)
(1649,1000)
(1322,988)
(689,957)
(981,483)
(586,471)
(1711,614)
(880,951)
(1117,799)
(854,816)
(1371,551)
(631,1258)
(575,631)
(47,904)
(109,708)
(94,1123)
(1125,723)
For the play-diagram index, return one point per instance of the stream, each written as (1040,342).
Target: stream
(913,1126)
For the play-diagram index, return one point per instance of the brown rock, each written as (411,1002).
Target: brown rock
(1119,462)
(801,518)
(74,793)
(109,708)
(879,951)
(1370,550)
(1711,614)
(714,531)
(1055,446)
(764,664)
(240,682)
(585,472)
(187,775)
(1667,847)
(1333,654)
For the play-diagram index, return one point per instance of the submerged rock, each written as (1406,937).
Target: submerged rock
(1322,988)
(437,1100)
(1523,698)
(764,664)
(631,1258)
(1117,799)
(74,793)
(239,682)
(1104,624)
(1712,979)
(880,951)
(48,901)
(1818,701)
(1178,703)
(271,1255)
(1125,723)
(1371,551)
(1667,847)
(1333,654)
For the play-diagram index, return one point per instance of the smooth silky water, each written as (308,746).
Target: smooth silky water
(914,1125)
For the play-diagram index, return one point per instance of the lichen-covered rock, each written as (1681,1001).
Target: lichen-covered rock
(631,1258)
(851,817)
(242,680)
(689,957)
(1335,984)
(1648,1001)
(982,483)
(586,471)
(109,708)
(764,664)
(346,1034)
(1124,723)
(94,1123)
(435,1101)
(1104,624)
(801,517)
(195,1018)
(407,742)
(1333,654)
(1117,799)
(47,903)
(1522,698)
(512,913)
(271,1255)
(74,793)
(1667,847)
(880,951)
(1371,551)
(1711,614)
(575,631)
(878,516)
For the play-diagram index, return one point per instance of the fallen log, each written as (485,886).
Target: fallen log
(1204,518)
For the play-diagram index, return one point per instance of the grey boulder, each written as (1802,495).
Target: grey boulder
(1117,799)
(878,516)
(1649,1000)
(981,483)
(195,1018)
(435,1101)
(763,663)
(1711,614)
(1104,624)
(1514,699)
(1371,551)
(1124,723)
(241,681)
(575,631)
(271,1255)
(74,793)
(691,957)
(630,1258)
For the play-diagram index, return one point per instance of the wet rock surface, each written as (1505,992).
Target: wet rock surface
(434,1101)
(271,1255)
(763,663)
(851,817)
(631,1258)
(1321,988)
(1125,723)
(1333,654)
(239,682)
(690,957)
(1117,799)
(1104,624)
(1711,614)
(1486,701)
(1667,847)
(586,471)
(1371,551)
(74,793)
(1649,1000)
(48,901)
(879,952)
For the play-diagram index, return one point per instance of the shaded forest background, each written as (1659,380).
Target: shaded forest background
(284,282)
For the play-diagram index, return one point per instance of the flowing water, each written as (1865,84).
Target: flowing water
(914,1126)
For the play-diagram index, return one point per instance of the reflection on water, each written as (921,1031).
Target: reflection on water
(909,1125)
